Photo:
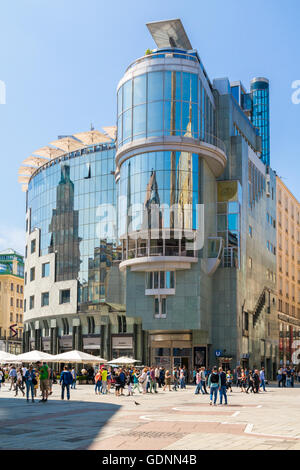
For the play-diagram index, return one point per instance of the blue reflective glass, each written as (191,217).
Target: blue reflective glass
(127,123)
(139,89)
(155,86)
(186,86)
(233,222)
(155,118)
(139,121)
(120,100)
(127,95)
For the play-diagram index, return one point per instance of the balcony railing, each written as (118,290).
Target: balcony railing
(163,55)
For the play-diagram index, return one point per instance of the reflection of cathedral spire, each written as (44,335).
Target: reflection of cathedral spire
(184,183)
(152,204)
(64,230)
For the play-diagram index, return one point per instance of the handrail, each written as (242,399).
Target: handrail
(163,55)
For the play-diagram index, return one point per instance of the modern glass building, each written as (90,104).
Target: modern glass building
(261,114)
(151,240)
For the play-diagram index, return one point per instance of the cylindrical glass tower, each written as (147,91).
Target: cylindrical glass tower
(261,114)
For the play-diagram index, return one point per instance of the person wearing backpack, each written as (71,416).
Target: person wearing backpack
(213,383)
(222,386)
(66,380)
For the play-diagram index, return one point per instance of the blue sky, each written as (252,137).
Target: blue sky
(61,61)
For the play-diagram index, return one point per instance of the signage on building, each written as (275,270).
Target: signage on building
(46,343)
(91,342)
(122,342)
(218,353)
(65,342)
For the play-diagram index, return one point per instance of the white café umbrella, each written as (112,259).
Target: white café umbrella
(35,356)
(78,357)
(123,361)
(6,358)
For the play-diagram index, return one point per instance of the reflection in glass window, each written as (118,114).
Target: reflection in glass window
(155,118)
(139,121)
(139,90)
(155,86)
(127,95)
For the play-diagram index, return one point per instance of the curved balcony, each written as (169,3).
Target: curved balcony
(158,257)
(209,147)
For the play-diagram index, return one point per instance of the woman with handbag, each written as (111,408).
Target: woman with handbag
(31,382)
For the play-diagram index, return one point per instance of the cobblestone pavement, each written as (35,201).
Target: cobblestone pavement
(166,420)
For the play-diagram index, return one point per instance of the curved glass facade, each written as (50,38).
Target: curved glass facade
(164,103)
(64,200)
(164,179)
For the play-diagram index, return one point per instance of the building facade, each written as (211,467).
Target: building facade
(288,272)
(11,301)
(154,241)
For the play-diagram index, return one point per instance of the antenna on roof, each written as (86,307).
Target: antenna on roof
(92,127)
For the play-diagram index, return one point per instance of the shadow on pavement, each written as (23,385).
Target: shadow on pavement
(54,425)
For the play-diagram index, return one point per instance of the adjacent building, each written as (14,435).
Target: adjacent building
(11,301)
(153,239)
(288,271)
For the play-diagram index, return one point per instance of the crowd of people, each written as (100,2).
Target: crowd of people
(27,381)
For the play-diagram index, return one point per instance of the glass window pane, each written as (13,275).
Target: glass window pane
(155,86)
(186,86)
(155,118)
(120,100)
(127,95)
(139,121)
(127,125)
(162,280)
(233,222)
(173,86)
(139,90)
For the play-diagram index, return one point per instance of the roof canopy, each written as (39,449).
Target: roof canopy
(91,137)
(169,33)
(68,144)
(62,146)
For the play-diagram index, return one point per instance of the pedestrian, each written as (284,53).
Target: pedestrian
(229,380)
(1,376)
(74,377)
(222,386)
(12,377)
(162,374)
(19,383)
(213,383)
(65,381)
(30,381)
(199,387)
(24,369)
(182,379)
(122,381)
(117,383)
(250,383)
(167,381)
(175,379)
(262,379)
(143,380)
(279,377)
(104,381)
(256,381)
(98,382)
(136,384)
(44,381)
(204,378)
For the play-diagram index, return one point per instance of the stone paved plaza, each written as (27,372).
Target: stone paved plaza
(167,420)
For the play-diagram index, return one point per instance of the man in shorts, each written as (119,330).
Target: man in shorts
(44,381)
